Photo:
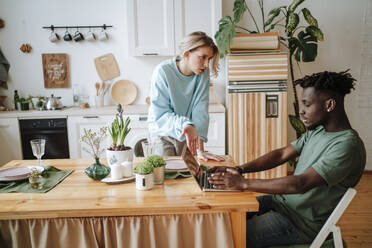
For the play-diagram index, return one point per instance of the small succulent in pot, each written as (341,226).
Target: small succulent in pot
(144,168)
(119,130)
(158,163)
(155,161)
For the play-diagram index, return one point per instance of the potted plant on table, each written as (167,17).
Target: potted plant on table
(158,163)
(119,129)
(97,171)
(144,176)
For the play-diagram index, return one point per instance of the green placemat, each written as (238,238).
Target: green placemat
(51,177)
(176,174)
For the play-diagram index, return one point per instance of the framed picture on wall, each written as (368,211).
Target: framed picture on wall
(55,70)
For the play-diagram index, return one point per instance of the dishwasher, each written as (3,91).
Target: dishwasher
(54,131)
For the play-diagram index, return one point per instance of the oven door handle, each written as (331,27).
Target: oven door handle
(38,132)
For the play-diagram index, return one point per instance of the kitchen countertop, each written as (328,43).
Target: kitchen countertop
(77,111)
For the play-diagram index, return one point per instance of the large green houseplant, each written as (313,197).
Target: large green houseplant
(301,39)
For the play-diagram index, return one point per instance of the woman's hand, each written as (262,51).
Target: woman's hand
(231,179)
(207,155)
(192,137)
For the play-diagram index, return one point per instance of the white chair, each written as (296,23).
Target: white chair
(329,226)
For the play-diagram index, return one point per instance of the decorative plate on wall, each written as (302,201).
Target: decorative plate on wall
(124,92)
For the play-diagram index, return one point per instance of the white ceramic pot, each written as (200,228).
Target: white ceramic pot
(159,175)
(119,157)
(144,182)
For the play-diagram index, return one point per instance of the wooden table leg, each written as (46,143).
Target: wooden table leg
(238,225)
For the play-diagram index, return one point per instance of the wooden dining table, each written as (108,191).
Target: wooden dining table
(80,196)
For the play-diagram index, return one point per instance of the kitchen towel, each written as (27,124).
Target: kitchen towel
(51,177)
(4,68)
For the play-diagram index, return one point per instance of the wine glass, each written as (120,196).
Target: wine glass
(38,149)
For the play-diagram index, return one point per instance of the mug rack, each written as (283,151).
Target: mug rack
(52,27)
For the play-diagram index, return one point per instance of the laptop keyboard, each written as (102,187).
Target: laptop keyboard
(205,182)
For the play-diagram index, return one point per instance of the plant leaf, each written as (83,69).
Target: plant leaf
(297,124)
(292,23)
(316,32)
(272,14)
(294,4)
(304,47)
(239,8)
(309,18)
(225,35)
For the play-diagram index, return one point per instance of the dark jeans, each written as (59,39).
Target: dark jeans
(268,228)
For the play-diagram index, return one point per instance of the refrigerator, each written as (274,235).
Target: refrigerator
(257,107)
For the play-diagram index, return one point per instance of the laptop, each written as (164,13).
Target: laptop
(200,176)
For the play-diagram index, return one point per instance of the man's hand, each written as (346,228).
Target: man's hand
(192,138)
(207,155)
(222,169)
(231,179)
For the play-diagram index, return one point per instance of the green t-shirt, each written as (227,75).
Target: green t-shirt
(339,158)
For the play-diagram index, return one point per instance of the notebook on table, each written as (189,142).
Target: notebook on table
(200,176)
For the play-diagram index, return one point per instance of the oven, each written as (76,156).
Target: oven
(54,131)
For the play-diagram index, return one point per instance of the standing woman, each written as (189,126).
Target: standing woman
(178,112)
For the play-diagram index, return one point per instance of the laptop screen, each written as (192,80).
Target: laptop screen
(191,162)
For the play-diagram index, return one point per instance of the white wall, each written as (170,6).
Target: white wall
(345,23)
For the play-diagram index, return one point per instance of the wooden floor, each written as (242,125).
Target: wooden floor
(356,222)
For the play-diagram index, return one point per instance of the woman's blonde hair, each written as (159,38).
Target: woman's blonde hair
(198,39)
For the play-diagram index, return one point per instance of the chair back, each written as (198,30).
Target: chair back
(330,225)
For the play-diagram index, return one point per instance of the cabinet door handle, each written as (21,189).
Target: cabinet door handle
(90,117)
(149,54)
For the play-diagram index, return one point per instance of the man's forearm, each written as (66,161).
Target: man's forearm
(268,161)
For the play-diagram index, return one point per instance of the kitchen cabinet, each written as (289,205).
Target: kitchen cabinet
(75,127)
(139,132)
(155,27)
(10,140)
(216,134)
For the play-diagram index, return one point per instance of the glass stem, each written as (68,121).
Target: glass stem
(39,161)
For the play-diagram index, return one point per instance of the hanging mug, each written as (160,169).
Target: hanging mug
(78,36)
(102,35)
(67,36)
(53,37)
(90,36)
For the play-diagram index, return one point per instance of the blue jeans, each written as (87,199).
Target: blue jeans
(268,227)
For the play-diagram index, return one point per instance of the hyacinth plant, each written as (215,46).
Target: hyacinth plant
(119,130)
(93,140)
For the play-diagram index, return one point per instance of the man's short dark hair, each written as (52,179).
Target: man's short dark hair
(340,83)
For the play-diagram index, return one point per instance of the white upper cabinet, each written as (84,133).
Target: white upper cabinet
(151,27)
(155,27)
(196,15)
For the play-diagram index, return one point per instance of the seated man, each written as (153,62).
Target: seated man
(332,159)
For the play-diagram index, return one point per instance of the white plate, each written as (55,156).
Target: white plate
(176,164)
(109,180)
(21,177)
